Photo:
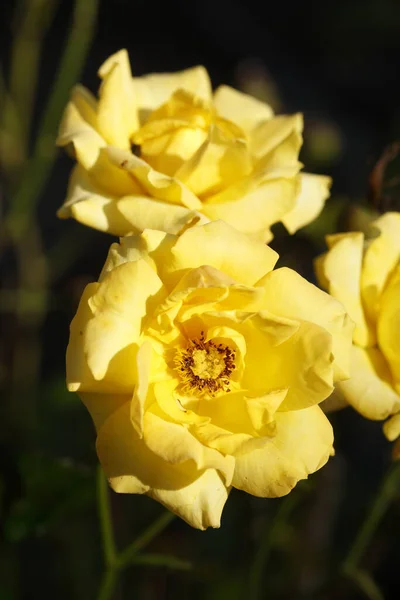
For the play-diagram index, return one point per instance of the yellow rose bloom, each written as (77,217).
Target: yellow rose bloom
(202,369)
(163,152)
(365,277)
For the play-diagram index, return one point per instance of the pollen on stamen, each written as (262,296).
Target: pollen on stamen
(205,367)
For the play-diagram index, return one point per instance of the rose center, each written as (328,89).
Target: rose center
(205,367)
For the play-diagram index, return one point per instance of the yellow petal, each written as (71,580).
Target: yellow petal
(380,258)
(229,413)
(119,305)
(200,503)
(302,364)
(168,399)
(78,127)
(260,206)
(219,162)
(389,324)
(197,497)
(221,246)
(110,345)
(224,440)
(199,302)
(141,374)
(131,290)
(277,142)
(155,184)
(79,376)
(391,428)
(139,247)
(102,406)
(262,409)
(310,201)
(143,212)
(117,110)
(86,105)
(369,389)
(182,107)
(290,295)
(102,214)
(201,294)
(89,205)
(341,269)
(167,153)
(174,132)
(153,90)
(175,444)
(242,109)
(80,119)
(301,446)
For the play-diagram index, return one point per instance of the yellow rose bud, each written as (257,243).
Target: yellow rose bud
(365,277)
(203,368)
(163,152)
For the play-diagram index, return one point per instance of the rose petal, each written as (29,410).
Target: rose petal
(389,324)
(391,428)
(340,268)
(118,306)
(78,127)
(263,202)
(157,185)
(175,444)
(290,295)
(198,497)
(310,201)
(117,109)
(200,503)
(219,162)
(302,363)
(220,246)
(380,258)
(291,455)
(174,132)
(91,206)
(369,389)
(155,89)
(242,109)
(277,142)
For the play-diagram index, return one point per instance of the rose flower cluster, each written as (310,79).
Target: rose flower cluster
(202,365)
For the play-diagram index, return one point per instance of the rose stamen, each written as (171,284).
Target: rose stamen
(205,367)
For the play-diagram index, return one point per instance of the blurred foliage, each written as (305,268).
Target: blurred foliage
(337,62)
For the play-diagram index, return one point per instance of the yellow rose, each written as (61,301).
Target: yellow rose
(163,152)
(203,368)
(365,277)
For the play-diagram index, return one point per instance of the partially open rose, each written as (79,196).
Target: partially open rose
(365,277)
(163,152)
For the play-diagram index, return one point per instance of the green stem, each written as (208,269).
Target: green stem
(128,555)
(35,17)
(107,534)
(162,560)
(108,584)
(268,539)
(386,494)
(115,563)
(39,166)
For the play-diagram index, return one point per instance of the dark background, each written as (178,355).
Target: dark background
(336,61)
